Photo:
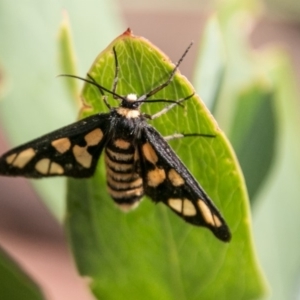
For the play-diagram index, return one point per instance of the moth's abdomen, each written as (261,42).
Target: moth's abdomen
(124,182)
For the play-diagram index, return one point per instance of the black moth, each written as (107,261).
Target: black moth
(138,159)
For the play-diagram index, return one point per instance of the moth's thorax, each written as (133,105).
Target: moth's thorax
(128,112)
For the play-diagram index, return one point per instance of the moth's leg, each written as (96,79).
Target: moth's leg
(116,78)
(183,135)
(167,108)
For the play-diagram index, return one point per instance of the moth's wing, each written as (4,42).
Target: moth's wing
(167,180)
(70,151)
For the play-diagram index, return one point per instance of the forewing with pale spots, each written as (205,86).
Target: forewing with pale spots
(70,151)
(167,180)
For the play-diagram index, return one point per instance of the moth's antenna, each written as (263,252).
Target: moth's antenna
(166,83)
(93,82)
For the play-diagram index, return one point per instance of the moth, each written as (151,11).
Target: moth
(138,160)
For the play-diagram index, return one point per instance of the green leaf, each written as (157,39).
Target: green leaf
(211,65)
(276,213)
(253,135)
(150,251)
(234,19)
(15,284)
(240,91)
(67,57)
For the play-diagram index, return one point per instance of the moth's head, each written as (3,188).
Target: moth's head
(130,101)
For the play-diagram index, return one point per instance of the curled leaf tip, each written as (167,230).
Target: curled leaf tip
(128,32)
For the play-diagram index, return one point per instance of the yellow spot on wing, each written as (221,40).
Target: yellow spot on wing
(45,166)
(149,153)
(208,215)
(188,208)
(94,137)
(183,206)
(42,166)
(9,159)
(176,204)
(61,145)
(175,178)
(156,177)
(23,158)
(82,156)
(55,168)
(122,144)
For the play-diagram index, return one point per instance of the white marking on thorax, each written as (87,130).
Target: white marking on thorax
(129,113)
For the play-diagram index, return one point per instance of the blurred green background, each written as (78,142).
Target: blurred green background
(246,68)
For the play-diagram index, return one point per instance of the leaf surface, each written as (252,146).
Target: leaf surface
(150,251)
